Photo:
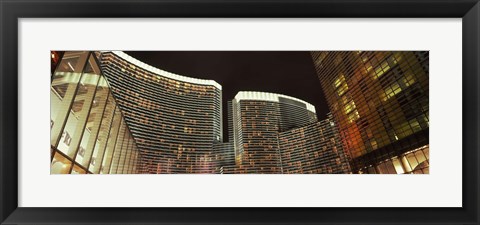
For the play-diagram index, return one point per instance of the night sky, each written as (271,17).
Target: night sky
(285,72)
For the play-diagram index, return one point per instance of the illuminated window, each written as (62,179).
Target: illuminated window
(373,142)
(368,66)
(342,89)
(409,79)
(415,125)
(384,67)
(339,80)
(391,91)
(349,107)
(353,116)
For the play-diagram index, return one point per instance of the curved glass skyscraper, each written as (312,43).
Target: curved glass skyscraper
(175,120)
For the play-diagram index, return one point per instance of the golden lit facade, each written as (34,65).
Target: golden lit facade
(88,130)
(313,149)
(258,118)
(175,120)
(380,102)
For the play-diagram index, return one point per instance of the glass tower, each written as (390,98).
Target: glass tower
(380,102)
(175,120)
(258,118)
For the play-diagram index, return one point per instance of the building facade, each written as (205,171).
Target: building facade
(87,128)
(258,118)
(380,103)
(112,114)
(175,120)
(313,149)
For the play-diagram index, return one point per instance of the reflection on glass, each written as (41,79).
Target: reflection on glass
(84,120)
(103,133)
(60,164)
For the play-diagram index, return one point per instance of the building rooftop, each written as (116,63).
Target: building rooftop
(164,73)
(271,97)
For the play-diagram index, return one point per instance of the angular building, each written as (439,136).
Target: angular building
(88,133)
(380,103)
(175,120)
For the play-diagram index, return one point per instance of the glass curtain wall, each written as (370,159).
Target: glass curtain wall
(87,130)
(380,100)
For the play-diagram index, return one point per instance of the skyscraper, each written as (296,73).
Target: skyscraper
(175,120)
(258,118)
(380,102)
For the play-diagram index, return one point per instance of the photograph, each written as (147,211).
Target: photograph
(239,112)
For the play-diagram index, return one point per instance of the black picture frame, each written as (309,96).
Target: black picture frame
(12,10)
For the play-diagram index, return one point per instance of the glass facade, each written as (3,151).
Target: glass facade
(85,121)
(312,149)
(274,133)
(113,114)
(175,120)
(380,102)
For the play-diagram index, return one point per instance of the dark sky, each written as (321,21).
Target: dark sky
(285,72)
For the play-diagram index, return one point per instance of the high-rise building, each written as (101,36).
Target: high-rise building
(87,128)
(380,103)
(258,118)
(175,120)
(111,113)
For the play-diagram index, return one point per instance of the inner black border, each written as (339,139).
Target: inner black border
(12,10)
